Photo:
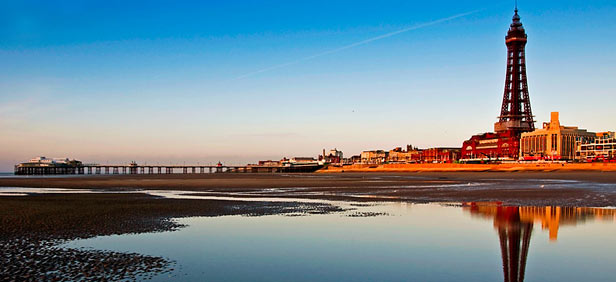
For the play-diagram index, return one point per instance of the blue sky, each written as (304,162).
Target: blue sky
(175,81)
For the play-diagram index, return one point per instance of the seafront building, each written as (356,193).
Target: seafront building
(411,155)
(334,157)
(553,141)
(600,148)
(355,159)
(440,155)
(374,157)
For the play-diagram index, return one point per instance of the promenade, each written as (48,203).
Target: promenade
(507,167)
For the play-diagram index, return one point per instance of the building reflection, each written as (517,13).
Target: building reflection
(515,226)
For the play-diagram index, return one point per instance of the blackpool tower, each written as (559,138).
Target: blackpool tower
(516,114)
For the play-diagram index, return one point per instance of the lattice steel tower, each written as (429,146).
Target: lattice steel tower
(516,114)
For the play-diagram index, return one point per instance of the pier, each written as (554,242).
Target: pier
(156,169)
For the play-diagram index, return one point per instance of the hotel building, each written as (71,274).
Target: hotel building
(601,148)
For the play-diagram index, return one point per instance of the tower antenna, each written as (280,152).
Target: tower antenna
(516,5)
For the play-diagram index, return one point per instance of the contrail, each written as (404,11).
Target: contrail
(366,41)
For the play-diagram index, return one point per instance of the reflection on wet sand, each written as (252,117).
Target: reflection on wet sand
(515,226)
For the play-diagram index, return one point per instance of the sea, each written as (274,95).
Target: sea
(386,242)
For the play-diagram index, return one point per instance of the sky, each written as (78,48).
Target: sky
(240,81)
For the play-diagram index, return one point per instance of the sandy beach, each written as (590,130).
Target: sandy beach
(519,188)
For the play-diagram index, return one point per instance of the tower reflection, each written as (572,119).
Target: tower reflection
(515,226)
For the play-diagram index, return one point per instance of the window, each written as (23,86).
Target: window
(554,142)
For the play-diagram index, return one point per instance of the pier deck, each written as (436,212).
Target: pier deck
(157,169)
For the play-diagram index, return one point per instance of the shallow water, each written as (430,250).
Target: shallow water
(403,242)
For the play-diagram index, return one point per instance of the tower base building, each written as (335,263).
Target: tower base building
(500,146)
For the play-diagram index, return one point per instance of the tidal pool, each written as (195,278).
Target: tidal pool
(387,242)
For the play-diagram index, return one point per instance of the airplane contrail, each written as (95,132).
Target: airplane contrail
(366,41)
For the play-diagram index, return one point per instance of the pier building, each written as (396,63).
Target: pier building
(44,165)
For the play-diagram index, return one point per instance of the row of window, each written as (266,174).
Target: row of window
(520,54)
(598,147)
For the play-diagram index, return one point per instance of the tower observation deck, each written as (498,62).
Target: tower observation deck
(516,114)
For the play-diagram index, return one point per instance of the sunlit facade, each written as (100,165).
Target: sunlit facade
(553,141)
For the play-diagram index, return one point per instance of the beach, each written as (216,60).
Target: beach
(515,188)
(36,224)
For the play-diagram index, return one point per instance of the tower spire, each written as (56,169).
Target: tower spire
(516,114)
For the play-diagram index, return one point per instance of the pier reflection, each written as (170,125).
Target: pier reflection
(515,226)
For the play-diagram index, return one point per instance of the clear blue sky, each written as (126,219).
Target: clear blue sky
(238,81)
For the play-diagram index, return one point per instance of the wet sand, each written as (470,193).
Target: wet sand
(264,180)
(34,226)
(590,188)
